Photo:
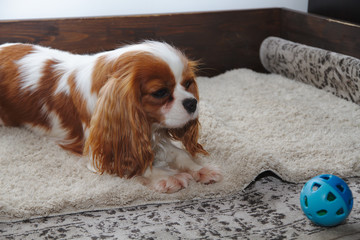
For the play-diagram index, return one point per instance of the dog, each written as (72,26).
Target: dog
(125,109)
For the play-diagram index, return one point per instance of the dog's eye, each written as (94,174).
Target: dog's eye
(188,83)
(162,93)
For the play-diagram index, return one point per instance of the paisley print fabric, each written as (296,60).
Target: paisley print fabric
(333,72)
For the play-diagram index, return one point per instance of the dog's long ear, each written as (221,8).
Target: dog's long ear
(189,135)
(120,135)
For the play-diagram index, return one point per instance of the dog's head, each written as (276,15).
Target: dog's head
(141,87)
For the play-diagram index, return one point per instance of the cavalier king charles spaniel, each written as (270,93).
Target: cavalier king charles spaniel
(123,108)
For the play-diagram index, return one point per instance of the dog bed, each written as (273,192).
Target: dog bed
(251,122)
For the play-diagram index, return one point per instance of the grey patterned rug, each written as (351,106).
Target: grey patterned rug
(268,209)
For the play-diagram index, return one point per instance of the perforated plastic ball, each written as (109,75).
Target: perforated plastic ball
(326,200)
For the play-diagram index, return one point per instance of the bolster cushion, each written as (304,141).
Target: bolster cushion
(333,72)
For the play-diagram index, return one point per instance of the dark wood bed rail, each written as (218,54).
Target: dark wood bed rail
(221,40)
(323,32)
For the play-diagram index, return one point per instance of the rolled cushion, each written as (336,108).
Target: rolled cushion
(330,71)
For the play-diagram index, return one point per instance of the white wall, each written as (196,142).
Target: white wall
(29,9)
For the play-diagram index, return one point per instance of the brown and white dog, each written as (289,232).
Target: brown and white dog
(123,108)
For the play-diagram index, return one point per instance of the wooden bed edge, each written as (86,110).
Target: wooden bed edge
(220,40)
(322,32)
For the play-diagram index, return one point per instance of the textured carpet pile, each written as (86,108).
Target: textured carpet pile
(251,122)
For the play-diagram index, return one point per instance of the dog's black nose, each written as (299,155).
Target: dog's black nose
(190,105)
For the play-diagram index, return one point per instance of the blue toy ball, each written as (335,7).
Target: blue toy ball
(326,200)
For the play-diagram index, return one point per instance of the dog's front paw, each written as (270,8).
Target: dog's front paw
(171,184)
(207,175)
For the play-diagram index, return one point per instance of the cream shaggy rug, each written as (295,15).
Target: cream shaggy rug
(251,122)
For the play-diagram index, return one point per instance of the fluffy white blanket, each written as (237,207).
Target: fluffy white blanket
(251,122)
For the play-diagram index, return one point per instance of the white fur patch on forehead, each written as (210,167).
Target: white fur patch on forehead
(164,51)
(170,55)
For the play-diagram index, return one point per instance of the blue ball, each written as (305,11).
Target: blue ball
(326,200)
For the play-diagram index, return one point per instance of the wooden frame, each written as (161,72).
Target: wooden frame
(221,40)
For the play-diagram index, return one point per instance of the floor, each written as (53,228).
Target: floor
(268,209)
